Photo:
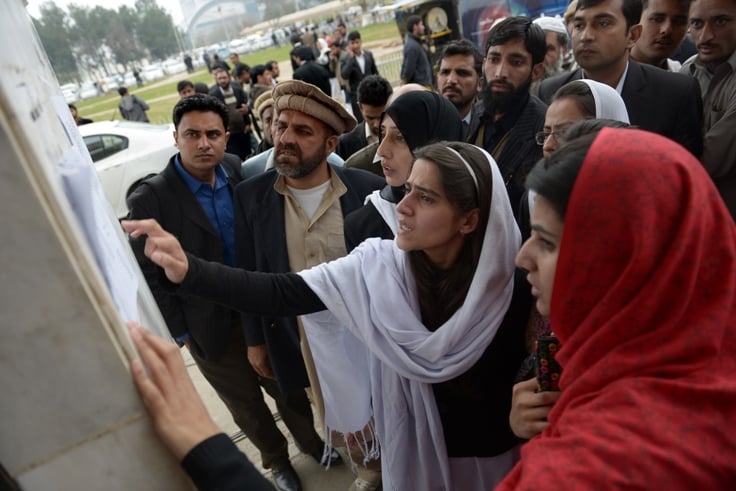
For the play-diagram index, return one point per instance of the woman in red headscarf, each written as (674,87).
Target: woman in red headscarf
(633,257)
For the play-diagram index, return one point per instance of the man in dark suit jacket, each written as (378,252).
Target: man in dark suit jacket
(656,100)
(507,117)
(373,94)
(236,100)
(291,218)
(192,198)
(309,70)
(358,64)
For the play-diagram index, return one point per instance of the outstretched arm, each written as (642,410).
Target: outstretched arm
(282,294)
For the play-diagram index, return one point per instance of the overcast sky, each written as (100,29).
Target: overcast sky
(171,6)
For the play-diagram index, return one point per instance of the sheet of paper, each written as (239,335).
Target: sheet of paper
(96,218)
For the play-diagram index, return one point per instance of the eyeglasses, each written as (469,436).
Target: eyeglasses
(542,136)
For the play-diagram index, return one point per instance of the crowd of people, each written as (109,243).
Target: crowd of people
(385,265)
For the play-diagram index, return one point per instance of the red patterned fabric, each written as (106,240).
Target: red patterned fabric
(644,304)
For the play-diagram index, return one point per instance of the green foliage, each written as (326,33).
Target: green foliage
(84,37)
(52,30)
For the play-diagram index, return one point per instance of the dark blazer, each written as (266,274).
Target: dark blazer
(241,99)
(315,74)
(521,151)
(167,198)
(350,70)
(656,100)
(352,141)
(261,246)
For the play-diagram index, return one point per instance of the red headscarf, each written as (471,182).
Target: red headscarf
(644,304)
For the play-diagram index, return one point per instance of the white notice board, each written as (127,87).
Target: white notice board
(70,417)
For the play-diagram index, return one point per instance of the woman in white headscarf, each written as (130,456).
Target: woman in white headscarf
(428,309)
(576,101)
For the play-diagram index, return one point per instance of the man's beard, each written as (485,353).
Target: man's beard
(304,165)
(502,102)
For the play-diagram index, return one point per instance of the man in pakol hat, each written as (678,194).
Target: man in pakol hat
(291,219)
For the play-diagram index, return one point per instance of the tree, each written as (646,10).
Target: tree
(155,29)
(53,30)
(89,33)
(122,38)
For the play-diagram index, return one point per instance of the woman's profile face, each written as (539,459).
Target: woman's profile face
(428,221)
(538,255)
(561,114)
(396,157)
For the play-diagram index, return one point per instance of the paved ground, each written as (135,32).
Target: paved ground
(313,476)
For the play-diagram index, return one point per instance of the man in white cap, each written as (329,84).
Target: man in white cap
(292,219)
(556,36)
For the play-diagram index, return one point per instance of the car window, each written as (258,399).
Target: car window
(101,146)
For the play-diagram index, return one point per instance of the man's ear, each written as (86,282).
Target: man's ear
(470,222)
(537,71)
(331,143)
(176,139)
(633,35)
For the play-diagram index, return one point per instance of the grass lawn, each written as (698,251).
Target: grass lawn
(161,95)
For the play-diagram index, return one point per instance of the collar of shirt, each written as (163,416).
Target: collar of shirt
(369,136)
(620,85)
(194,184)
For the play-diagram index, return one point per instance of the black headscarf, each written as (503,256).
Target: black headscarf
(423,117)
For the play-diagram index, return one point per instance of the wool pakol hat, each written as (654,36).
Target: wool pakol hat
(263,102)
(309,99)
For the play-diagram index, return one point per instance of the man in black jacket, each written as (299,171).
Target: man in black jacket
(236,101)
(604,31)
(354,67)
(193,199)
(507,117)
(373,94)
(309,70)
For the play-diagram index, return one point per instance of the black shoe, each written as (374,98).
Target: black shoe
(285,478)
(333,458)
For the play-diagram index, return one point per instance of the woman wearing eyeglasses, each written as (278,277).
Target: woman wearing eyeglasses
(576,101)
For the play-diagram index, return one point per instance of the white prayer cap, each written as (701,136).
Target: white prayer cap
(554,24)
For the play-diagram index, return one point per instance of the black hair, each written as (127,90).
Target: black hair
(220,67)
(72,106)
(520,27)
(411,21)
(303,52)
(374,90)
(199,102)
(464,47)
(441,293)
(554,177)
(579,92)
(631,9)
(353,35)
(256,72)
(183,84)
(683,3)
(201,88)
(122,90)
(240,68)
(270,64)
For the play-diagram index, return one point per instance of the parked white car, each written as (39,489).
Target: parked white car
(149,73)
(70,93)
(125,153)
(88,90)
(173,66)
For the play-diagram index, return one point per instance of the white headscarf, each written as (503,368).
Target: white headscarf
(608,102)
(372,293)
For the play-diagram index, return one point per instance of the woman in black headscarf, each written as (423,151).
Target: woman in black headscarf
(412,120)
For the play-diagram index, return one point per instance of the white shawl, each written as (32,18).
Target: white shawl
(372,293)
(385,208)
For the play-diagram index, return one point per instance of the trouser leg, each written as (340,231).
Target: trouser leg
(296,413)
(238,386)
